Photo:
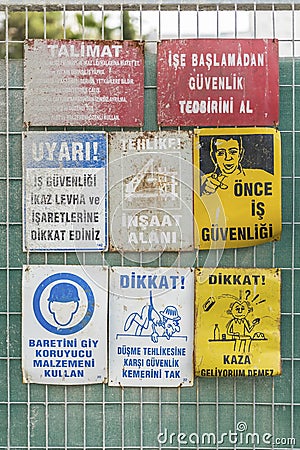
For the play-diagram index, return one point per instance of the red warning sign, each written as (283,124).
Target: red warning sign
(218,81)
(81,82)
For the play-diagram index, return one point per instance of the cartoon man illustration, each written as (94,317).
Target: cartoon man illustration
(163,323)
(226,153)
(239,326)
(63,303)
(169,323)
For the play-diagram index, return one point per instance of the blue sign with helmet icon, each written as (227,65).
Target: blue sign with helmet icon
(64,324)
(63,303)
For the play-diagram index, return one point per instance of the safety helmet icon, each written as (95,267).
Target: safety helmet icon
(64,292)
(170,312)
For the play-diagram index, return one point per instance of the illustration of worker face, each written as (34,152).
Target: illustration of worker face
(239,310)
(227,153)
(170,321)
(171,327)
(63,303)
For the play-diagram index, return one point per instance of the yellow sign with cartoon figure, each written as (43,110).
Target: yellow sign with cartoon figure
(237,200)
(237,323)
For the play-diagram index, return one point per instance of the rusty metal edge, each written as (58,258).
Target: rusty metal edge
(151,5)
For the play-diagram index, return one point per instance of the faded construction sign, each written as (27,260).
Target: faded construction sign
(150,191)
(237,329)
(82,82)
(64,324)
(65,191)
(218,81)
(237,187)
(151,326)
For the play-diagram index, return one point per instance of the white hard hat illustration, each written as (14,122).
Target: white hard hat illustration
(170,312)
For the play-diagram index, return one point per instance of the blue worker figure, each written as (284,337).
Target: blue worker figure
(63,303)
(169,323)
(158,323)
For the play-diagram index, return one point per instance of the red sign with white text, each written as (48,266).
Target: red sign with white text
(84,82)
(218,82)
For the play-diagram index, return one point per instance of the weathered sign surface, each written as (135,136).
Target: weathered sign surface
(151,191)
(237,187)
(151,326)
(65,191)
(64,324)
(84,82)
(237,329)
(218,82)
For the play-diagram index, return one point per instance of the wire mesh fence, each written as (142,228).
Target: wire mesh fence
(222,413)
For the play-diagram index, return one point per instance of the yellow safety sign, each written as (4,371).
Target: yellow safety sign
(237,184)
(237,323)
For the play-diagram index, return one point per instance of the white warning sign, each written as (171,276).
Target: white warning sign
(150,191)
(151,326)
(64,324)
(65,191)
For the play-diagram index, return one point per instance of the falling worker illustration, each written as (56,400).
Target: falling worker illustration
(63,303)
(158,323)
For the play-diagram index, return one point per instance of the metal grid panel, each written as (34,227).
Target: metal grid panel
(97,417)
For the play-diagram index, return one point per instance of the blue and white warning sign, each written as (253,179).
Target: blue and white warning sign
(151,326)
(65,191)
(64,324)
